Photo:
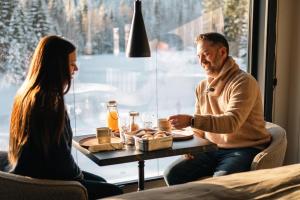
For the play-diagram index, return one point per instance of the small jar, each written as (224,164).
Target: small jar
(112,115)
(133,121)
(164,125)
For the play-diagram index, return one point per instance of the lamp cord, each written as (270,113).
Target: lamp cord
(156,81)
(74,113)
(156,92)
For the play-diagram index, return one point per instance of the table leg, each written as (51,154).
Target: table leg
(141,175)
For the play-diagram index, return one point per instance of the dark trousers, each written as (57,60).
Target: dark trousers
(4,166)
(216,163)
(97,186)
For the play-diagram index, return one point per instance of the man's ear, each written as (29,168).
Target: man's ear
(223,52)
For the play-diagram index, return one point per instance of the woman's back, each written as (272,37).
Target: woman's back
(40,132)
(54,162)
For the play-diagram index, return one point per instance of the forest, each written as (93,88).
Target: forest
(90,24)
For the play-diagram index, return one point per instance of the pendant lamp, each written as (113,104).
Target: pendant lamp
(138,45)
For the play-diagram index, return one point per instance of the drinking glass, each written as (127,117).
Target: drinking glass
(148,120)
(123,127)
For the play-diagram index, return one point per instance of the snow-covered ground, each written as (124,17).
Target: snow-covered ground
(161,85)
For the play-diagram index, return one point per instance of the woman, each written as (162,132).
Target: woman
(40,131)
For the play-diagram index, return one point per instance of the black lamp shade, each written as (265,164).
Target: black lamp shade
(138,45)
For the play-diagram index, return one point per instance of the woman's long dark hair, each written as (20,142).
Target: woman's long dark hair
(39,110)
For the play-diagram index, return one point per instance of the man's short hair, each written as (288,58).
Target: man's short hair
(215,38)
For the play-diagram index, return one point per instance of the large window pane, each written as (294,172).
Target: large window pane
(157,86)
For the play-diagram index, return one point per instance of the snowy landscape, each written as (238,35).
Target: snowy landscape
(159,86)
(132,83)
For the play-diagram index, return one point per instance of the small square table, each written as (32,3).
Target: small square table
(130,154)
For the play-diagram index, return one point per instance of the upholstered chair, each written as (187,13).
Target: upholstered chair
(15,187)
(273,155)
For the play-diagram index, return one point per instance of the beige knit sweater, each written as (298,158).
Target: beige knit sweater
(229,109)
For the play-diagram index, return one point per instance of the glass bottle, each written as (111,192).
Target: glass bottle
(133,121)
(112,115)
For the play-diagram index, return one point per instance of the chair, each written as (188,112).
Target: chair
(20,187)
(273,155)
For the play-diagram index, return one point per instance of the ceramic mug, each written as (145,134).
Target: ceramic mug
(103,135)
(164,125)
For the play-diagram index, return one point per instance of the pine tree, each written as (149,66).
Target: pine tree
(57,15)
(29,21)
(125,14)
(20,47)
(82,10)
(41,23)
(208,5)
(102,35)
(235,20)
(6,11)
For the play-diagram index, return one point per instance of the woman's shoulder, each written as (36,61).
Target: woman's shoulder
(48,100)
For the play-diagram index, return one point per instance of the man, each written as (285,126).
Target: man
(228,111)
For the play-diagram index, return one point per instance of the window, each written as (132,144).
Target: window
(157,86)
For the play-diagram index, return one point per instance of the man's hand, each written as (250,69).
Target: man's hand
(180,121)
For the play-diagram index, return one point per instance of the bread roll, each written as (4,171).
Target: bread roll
(147,137)
(159,135)
(141,133)
(160,132)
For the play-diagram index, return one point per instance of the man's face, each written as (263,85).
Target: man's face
(211,57)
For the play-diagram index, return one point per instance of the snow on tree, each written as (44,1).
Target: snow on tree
(235,20)
(90,23)
(6,10)
(39,14)
(29,22)
(19,51)
(65,20)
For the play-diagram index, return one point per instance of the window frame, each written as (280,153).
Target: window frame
(262,49)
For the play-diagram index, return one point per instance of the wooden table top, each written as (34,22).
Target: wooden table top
(130,154)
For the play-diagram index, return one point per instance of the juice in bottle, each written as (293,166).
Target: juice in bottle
(112,115)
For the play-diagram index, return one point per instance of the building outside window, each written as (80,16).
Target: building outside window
(156,87)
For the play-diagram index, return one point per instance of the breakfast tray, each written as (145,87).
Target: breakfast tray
(91,143)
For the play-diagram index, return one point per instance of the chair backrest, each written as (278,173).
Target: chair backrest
(20,187)
(273,155)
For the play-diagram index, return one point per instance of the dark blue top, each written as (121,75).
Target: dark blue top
(58,162)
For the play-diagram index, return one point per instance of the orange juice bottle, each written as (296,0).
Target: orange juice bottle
(112,115)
